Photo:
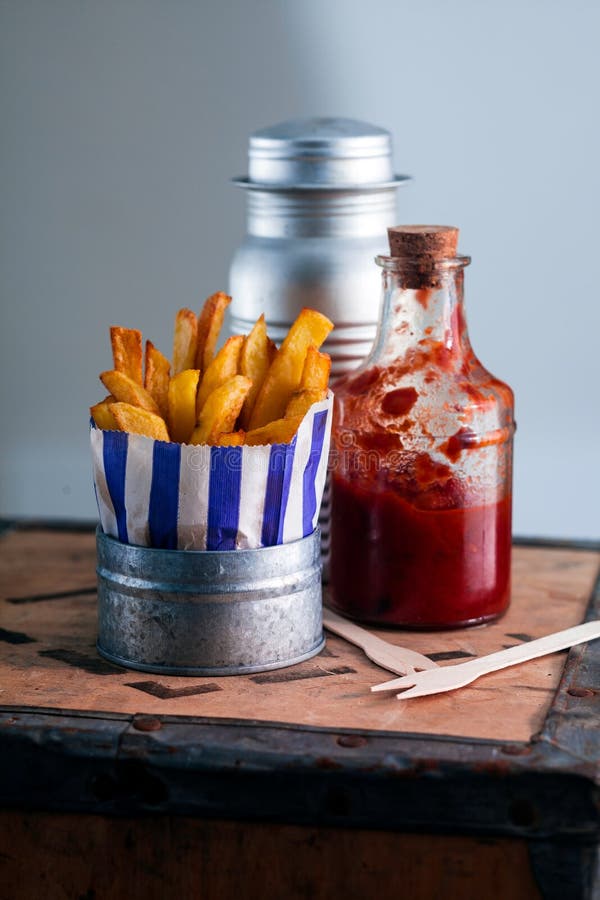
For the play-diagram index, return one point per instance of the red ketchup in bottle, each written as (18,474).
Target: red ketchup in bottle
(421,456)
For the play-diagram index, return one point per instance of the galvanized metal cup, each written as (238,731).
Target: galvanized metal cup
(202,612)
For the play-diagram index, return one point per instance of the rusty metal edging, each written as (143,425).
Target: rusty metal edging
(573,720)
(257,771)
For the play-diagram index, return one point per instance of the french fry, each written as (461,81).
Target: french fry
(140,421)
(315,374)
(156,379)
(223,367)
(285,372)
(302,401)
(185,339)
(102,415)
(221,410)
(126,390)
(255,359)
(210,322)
(232,439)
(268,390)
(127,351)
(272,348)
(182,404)
(280,431)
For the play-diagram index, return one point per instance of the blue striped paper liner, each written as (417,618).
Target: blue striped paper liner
(164,495)
(309,501)
(114,462)
(217,498)
(224,497)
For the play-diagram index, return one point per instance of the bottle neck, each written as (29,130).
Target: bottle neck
(331,214)
(422,316)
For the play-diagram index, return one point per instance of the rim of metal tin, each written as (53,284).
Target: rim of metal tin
(200,572)
(267,555)
(217,672)
(203,553)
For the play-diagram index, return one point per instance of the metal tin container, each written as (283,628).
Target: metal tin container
(320,195)
(186,612)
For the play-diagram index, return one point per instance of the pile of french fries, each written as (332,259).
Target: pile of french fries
(249,392)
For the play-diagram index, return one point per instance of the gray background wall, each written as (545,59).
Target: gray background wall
(122,121)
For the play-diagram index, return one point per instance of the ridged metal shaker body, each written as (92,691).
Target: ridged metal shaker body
(320,195)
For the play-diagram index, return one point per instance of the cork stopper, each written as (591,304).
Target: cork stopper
(434,241)
(423,246)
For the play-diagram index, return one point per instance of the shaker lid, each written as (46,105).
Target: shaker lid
(320,154)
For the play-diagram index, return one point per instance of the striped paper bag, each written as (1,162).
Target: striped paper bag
(178,496)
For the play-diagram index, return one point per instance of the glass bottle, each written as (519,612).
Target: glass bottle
(421,460)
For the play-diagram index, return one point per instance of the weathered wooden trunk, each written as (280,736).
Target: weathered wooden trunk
(298,782)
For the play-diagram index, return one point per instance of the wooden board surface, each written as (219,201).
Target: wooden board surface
(48,656)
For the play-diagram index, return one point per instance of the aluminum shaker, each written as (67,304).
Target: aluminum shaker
(320,195)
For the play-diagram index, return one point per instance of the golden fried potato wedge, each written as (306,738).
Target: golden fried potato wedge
(255,359)
(156,379)
(182,404)
(210,322)
(139,421)
(285,372)
(221,410)
(223,367)
(232,439)
(280,431)
(302,401)
(102,415)
(185,337)
(315,374)
(127,351)
(125,390)
(272,350)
